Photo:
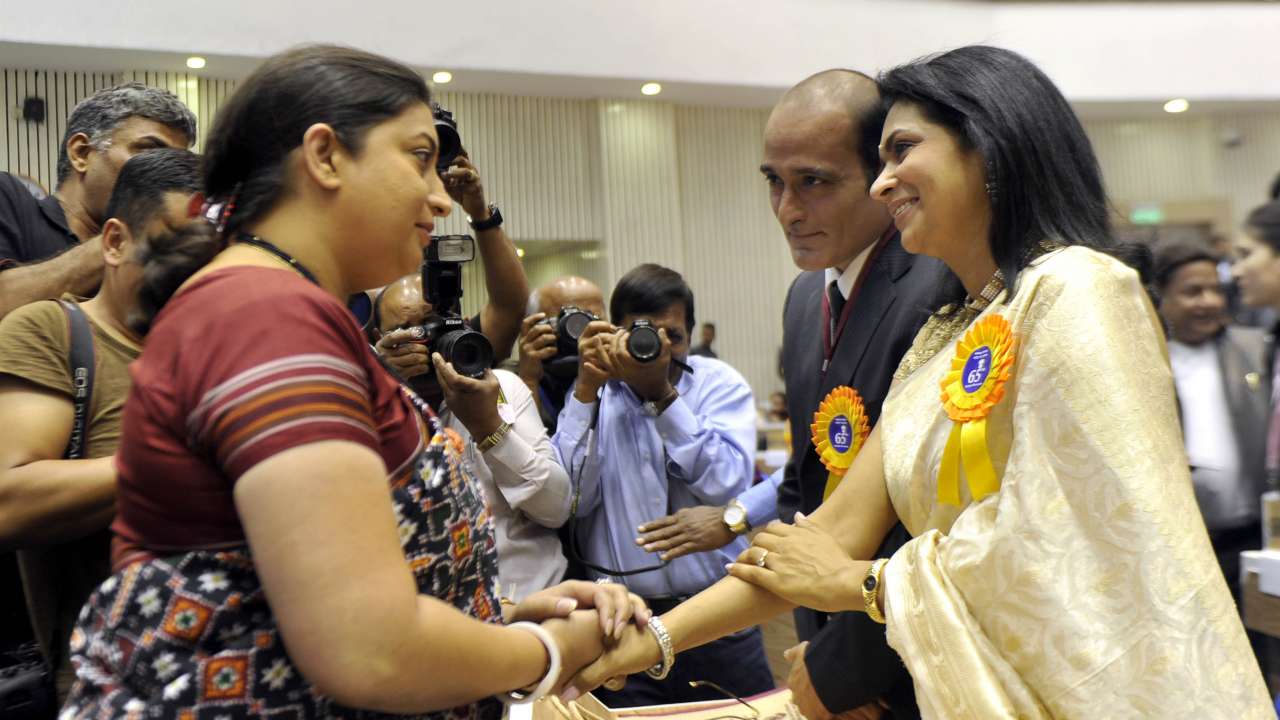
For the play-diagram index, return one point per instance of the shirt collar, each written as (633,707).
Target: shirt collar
(52,210)
(846,280)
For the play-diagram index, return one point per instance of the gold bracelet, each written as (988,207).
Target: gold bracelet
(493,439)
(871,587)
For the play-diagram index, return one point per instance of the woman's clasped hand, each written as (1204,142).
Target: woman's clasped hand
(585,619)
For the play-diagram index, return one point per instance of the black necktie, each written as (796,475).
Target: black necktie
(837,306)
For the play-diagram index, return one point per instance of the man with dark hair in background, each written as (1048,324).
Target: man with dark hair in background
(708,337)
(543,366)
(647,431)
(1220,375)
(56,511)
(49,247)
(849,318)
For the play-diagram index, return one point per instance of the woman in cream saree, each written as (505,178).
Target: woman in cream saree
(1059,566)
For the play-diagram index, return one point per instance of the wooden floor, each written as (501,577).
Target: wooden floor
(779,635)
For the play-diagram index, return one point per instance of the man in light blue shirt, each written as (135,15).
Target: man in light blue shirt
(647,431)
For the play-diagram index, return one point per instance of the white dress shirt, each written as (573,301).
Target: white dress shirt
(526,489)
(1209,435)
(850,275)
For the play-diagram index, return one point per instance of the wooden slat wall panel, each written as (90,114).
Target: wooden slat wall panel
(641,184)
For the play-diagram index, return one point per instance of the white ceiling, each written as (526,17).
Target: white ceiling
(1110,58)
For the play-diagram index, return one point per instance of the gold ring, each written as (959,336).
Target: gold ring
(760,561)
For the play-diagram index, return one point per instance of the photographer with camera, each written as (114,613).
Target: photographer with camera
(504,277)
(526,488)
(650,430)
(558,314)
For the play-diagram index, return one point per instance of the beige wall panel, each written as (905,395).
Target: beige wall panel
(641,185)
(735,257)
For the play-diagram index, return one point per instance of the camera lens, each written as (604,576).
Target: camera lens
(468,351)
(643,343)
(575,324)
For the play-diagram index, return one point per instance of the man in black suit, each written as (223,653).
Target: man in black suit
(849,318)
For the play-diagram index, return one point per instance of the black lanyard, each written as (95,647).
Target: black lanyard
(261,244)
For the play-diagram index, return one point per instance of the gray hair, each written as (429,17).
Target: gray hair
(534,305)
(101,113)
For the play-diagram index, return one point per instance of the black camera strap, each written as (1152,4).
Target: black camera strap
(81,364)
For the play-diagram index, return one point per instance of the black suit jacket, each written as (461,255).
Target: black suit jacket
(849,660)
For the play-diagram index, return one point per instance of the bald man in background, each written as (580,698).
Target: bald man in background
(544,369)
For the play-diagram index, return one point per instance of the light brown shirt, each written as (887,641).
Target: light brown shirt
(35,344)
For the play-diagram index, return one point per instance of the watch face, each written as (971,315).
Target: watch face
(733,515)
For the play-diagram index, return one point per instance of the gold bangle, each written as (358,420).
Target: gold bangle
(871,587)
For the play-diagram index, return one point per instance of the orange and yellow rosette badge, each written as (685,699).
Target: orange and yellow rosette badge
(839,429)
(982,365)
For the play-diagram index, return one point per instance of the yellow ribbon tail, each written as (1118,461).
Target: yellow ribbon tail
(949,472)
(978,469)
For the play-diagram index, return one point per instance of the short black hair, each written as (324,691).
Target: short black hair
(709,324)
(651,288)
(1172,256)
(1274,193)
(1044,179)
(146,178)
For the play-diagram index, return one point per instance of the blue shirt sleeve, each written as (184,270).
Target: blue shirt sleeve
(715,449)
(761,500)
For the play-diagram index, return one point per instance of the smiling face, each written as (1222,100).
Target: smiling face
(817,186)
(933,186)
(391,198)
(1193,304)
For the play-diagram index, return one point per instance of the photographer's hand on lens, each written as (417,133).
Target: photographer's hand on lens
(410,359)
(616,606)
(474,402)
(462,181)
(537,344)
(650,380)
(690,530)
(595,360)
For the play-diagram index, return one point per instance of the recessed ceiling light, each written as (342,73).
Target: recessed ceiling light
(650,88)
(442,77)
(195,62)
(519,252)
(1177,105)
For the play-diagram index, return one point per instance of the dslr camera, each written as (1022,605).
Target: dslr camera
(569,326)
(450,140)
(644,344)
(444,331)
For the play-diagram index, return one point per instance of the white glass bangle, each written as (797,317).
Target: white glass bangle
(516,697)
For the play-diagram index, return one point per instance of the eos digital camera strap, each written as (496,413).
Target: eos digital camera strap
(82,367)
